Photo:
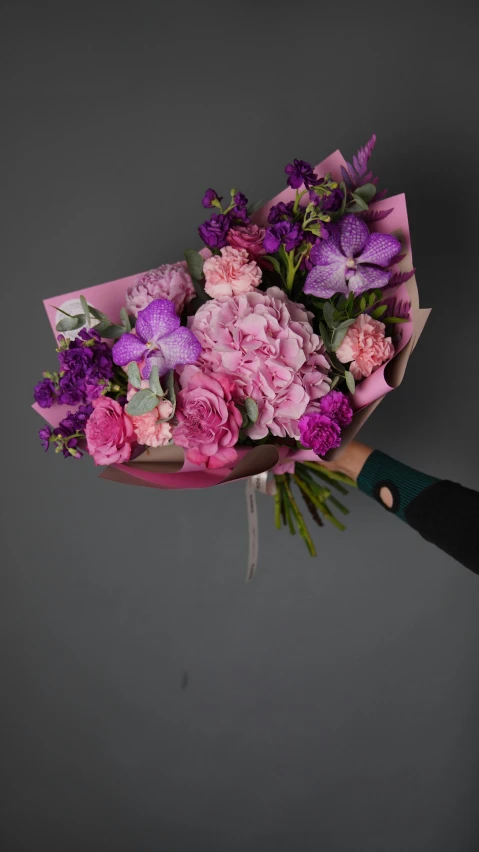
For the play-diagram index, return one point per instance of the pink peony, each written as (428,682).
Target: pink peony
(208,421)
(365,347)
(170,281)
(230,273)
(109,432)
(249,237)
(266,345)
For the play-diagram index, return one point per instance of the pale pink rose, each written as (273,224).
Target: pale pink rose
(208,420)
(230,273)
(365,346)
(170,281)
(265,343)
(249,237)
(109,432)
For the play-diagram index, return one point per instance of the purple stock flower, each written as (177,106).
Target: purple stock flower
(300,172)
(350,260)
(45,393)
(76,421)
(87,365)
(280,211)
(214,231)
(319,433)
(71,389)
(210,196)
(240,200)
(336,406)
(160,340)
(332,202)
(45,435)
(283,233)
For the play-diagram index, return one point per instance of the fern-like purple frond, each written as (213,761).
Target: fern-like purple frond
(375,215)
(358,172)
(400,278)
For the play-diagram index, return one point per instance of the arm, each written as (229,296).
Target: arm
(442,512)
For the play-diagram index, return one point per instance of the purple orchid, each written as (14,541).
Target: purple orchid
(160,340)
(350,260)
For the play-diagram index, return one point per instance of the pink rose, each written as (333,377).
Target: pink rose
(249,237)
(109,432)
(230,273)
(208,421)
(365,346)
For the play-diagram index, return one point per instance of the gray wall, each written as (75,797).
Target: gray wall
(333,703)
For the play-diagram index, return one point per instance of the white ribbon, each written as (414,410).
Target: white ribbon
(258,482)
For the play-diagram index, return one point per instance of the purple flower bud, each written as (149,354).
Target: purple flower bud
(214,231)
(280,211)
(210,196)
(44,434)
(45,393)
(300,172)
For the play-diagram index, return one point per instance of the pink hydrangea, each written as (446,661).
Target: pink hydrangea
(249,237)
(266,344)
(109,432)
(365,346)
(208,420)
(170,281)
(230,273)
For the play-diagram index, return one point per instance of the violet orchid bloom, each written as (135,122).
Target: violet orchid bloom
(350,260)
(160,340)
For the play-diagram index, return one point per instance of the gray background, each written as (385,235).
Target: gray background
(333,703)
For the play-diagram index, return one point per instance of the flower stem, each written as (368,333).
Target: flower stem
(303,530)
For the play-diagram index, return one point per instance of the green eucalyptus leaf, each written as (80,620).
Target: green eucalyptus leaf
(378,312)
(328,313)
(154,381)
(366,192)
(102,326)
(99,315)
(142,402)
(194,262)
(113,332)
(325,335)
(171,388)
(70,323)
(351,384)
(86,311)
(339,336)
(134,375)
(274,263)
(334,382)
(125,319)
(395,319)
(251,409)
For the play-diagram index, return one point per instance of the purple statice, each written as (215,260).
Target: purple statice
(283,233)
(319,433)
(45,393)
(45,435)
(281,211)
(210,196)
(300,172)
(214,231)
(159,340)
(336,405)
(350,260)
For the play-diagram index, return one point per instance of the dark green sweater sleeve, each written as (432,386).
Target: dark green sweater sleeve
(442,512)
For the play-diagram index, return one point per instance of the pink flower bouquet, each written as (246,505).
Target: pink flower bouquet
(265,351)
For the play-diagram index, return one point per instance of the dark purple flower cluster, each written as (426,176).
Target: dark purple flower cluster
(214,231)
(300,172)
(68,434)
(320,428)
(283,233)
(86,366)
(281,211)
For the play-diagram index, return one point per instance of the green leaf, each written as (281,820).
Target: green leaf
(366,192)
(98,314)
(359,204)
(102,326)
(245,421)
(362,304)
(395,319)
(86,311)
(125,319)
(334,382)
(274,263)
(372,299)
(194,262)
(154,382)
(251,409)
(171,388)
(113,332)
(378,312)
(351,384)
(142,402)
(339,336)
(328,313)
(134,375)
(325,336)
(70,323)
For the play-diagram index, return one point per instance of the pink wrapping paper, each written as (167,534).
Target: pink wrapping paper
(166,467)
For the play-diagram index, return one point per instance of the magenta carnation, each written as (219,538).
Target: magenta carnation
(319,433)
(266,344)
(336,405)
(170,281)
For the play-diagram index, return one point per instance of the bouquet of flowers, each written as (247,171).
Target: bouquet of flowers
(264,351)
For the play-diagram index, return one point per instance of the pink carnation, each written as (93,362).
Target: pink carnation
(365,346)
(266,345)
(170,281)
(109,432)
(230,273)
(208,421)
(249,237)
